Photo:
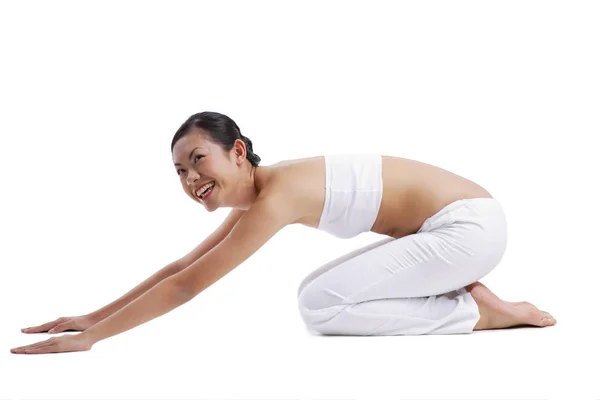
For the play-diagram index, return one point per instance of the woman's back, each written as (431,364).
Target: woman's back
(412,191)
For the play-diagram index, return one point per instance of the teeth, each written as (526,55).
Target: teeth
(203,188)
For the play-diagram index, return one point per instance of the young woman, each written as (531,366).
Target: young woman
(444,233)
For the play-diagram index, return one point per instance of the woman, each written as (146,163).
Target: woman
(444,233)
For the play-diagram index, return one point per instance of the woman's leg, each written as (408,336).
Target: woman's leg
(321,270)
(411,285)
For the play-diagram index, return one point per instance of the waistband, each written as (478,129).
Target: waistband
(467,209)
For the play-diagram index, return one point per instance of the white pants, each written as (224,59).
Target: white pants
(413,285)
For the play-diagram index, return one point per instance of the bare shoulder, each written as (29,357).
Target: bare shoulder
(298,186)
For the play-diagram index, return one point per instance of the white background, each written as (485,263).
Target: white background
(503,93)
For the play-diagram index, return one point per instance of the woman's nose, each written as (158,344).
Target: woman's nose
(192,177)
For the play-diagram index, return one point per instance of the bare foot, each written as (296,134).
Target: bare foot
(497,314)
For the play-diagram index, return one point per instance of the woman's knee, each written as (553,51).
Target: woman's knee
(338,261)
(316,311)
(314,297)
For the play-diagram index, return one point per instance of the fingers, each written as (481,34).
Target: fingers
(40,328)
(40,344)
(46,348)
(58,328)
(41,350)
(34,346)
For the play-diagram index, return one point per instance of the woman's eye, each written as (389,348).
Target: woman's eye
(195,159)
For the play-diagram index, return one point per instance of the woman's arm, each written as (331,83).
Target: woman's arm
(256,227)
(157,301)
(136,292)
(176,266)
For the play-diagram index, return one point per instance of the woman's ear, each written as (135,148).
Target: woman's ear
(240,150)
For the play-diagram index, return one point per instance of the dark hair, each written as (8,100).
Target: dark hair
(221,129)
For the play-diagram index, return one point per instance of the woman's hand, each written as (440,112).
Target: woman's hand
(61,344)
(80,323)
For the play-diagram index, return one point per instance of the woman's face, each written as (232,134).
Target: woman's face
(199,161)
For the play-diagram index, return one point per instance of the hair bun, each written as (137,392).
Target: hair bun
(247,141)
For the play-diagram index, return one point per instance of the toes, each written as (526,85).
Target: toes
(547,320)
(547,314)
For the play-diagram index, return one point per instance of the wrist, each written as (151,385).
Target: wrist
(89,336)
(94,318)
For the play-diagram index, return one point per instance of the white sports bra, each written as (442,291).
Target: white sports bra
(353,193)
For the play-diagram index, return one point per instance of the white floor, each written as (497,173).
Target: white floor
(246,356)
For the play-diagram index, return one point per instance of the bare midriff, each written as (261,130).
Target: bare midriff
(412,191)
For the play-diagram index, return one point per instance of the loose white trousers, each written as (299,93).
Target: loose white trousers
(413,285)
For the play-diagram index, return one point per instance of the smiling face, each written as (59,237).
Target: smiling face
(197,160)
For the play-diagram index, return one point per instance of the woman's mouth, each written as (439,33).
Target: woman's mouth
(205,191)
